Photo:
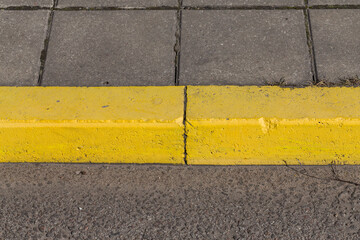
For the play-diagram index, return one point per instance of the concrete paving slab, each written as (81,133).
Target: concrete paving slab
(117,3)
(333,2)
(243,3)
(32,3)
(21,42)
(111,48)
(252,47)
(337,44)
(63,201)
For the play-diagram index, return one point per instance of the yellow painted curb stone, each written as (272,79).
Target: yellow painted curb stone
(79,124)
(224,125)
(272,125)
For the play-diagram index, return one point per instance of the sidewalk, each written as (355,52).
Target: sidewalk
(164,43)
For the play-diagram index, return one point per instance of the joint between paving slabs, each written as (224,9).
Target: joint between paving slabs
(43,54)
(246,7)
(79,8)
(272,7)
(310,43)
(182,7)
(209,7)
(338,6)
(177,45)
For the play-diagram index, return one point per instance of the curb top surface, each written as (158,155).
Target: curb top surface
(223,102)
(94,103)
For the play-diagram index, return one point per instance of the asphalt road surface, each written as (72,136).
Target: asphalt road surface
(73,201)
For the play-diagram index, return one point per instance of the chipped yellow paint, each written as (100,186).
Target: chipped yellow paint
(272,125)
(78,124)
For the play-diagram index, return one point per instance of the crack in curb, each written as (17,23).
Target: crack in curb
(185,124)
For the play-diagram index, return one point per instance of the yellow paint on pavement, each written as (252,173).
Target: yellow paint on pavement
(78,124)
(273,125)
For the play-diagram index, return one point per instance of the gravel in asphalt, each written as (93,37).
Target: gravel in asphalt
(72,201)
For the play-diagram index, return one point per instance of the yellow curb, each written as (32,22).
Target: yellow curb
(77,124)
(224,125)
(272,125)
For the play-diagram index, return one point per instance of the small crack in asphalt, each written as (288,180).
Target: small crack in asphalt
(335,178)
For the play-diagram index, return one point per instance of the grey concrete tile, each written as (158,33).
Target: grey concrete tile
(17,3)
(21,42)
(97,48)
(252,47)
(117,3)
(337,44)
(243,3)
(333,2)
